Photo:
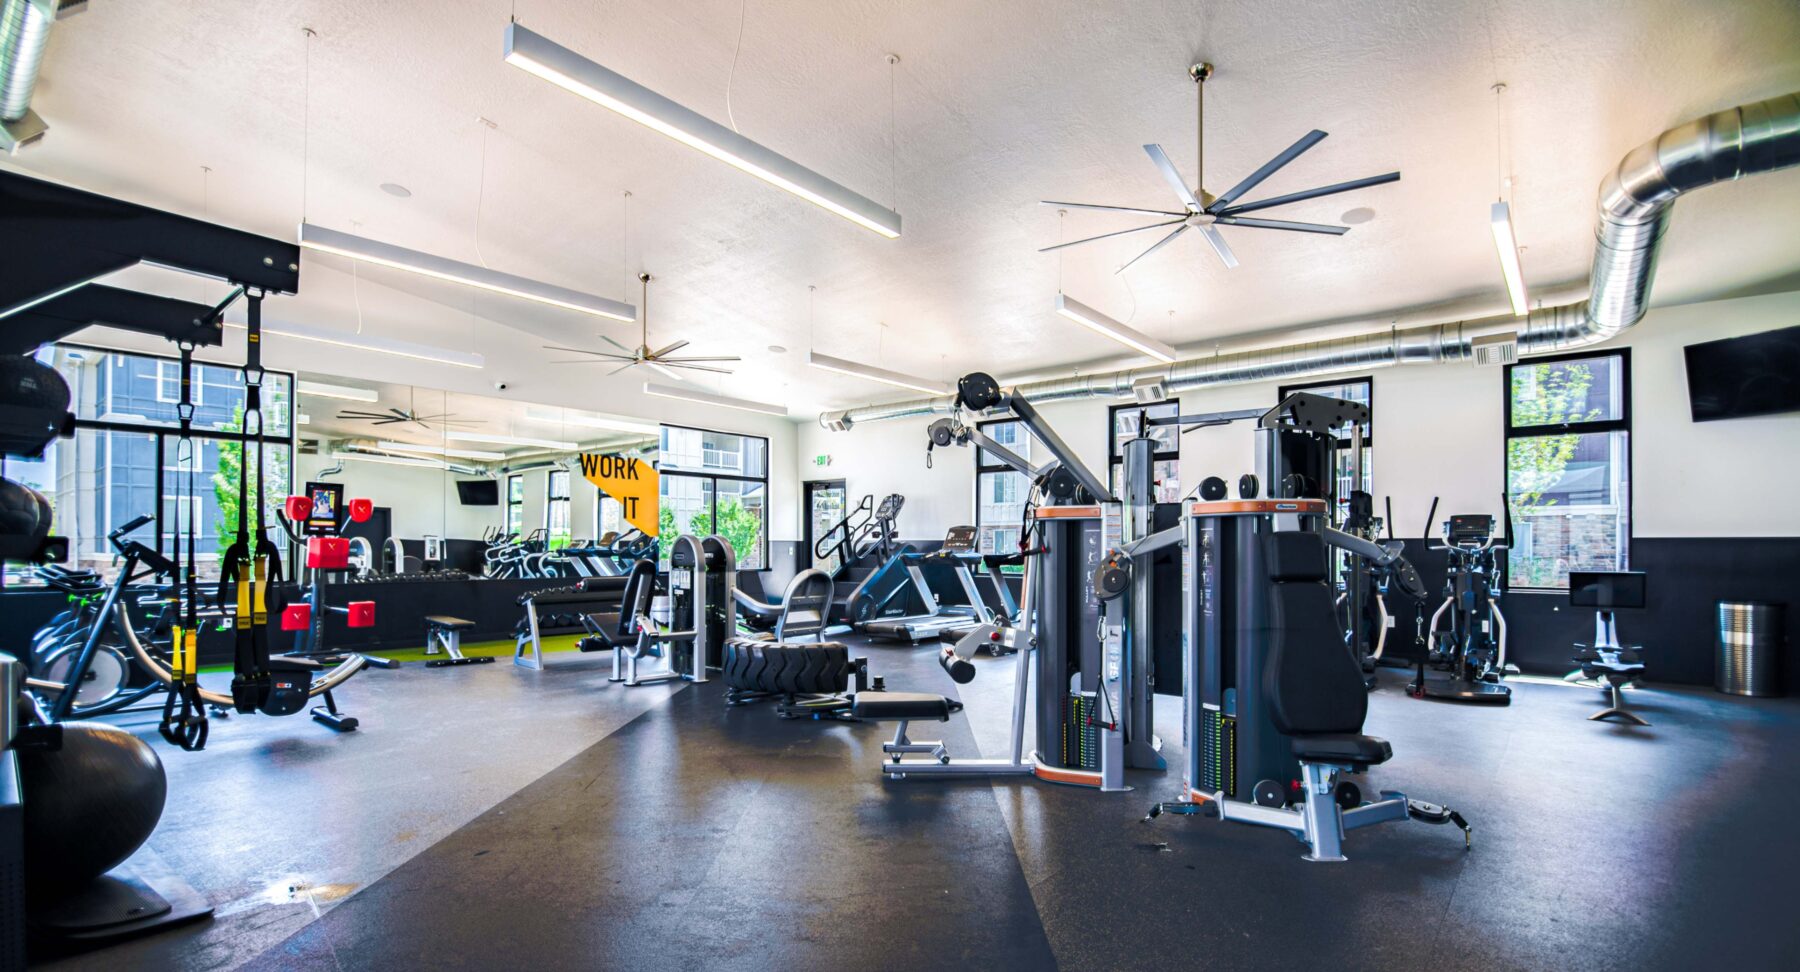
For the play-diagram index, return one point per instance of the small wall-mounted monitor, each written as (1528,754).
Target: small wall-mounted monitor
(1757,374)
(327,502)
(478,492)
(1607,590)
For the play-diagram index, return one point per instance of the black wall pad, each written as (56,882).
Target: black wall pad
(705,837)
(59,317)
(64,237)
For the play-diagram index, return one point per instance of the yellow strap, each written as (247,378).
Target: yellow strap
(186,654)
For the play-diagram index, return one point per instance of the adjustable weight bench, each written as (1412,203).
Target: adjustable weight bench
(905,707)
(443,633)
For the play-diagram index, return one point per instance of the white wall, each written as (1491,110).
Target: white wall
(1438,432)
(423,500)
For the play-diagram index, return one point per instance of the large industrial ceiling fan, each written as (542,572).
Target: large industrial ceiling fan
(410,415)
(1205,212)
(661,359)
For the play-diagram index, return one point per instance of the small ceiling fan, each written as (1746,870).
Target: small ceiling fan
(660,359)
(1204,211)
(406,416)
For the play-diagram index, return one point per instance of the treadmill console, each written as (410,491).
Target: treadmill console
(960,540)
(1469,529)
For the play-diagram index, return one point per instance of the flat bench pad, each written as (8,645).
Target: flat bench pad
(447,622)
(901,705)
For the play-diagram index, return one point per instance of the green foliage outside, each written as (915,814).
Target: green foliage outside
(738,524)
(230,469)
(1535,464)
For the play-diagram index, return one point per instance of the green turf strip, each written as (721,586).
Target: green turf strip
(476,649)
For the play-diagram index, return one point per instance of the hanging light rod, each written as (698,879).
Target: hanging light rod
(826,362)
(568,70)
(319,389)
(315,237)
(511,440)
(389,460)
(367,342)
(707,398)
(553,415)
(1095,321)
(1508,246)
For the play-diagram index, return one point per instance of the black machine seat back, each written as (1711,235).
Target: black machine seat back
(804,606)
(1312,685)
(640,588)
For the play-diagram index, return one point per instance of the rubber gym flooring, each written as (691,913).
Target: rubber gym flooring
(496,818)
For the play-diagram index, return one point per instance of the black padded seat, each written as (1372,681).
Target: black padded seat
(610,630)
(1312,685)
(1347,747)
(901,705)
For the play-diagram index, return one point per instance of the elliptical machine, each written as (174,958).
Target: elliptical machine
(1473,650)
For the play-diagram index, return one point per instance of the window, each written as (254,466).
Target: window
(609,516)
(1362,392)
(715,482)
(123,461)
(1000,490)
(1165,466)
(1568,466)
(556,508)
(515,504)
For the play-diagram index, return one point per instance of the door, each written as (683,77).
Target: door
(825,503)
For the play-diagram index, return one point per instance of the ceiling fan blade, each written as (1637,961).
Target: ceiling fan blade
(1161,159)
(1287,155)
(597,354)
(359,414)
(664,370)
(677,346)
(628,364)
(1304,194)
(1102,236)
(1159,245)
(692,358)
(1282,224)
(1111,209)
(1223,249)
(621,347)
(695,367)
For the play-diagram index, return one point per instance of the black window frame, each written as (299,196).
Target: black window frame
(551,499)
(507,525)
(995,466)
(1620,424)
(716,478)
(1113,458)
(167,435)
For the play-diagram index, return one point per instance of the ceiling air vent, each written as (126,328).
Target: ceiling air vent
(1495,349)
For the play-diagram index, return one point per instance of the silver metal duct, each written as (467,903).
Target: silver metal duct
(1634,204)
(24,30)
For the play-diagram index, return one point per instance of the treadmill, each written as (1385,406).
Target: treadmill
(958,554)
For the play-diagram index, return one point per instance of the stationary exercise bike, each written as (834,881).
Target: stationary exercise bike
(1473,650)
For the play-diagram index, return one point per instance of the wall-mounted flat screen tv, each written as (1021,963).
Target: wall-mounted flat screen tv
(1757,374)
(478,492)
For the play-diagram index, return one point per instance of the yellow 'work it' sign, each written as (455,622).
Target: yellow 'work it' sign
(632,482)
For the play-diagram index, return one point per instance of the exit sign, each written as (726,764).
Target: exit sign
(821,460)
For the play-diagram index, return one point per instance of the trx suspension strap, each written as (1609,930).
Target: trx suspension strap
(184,721)
(252,563)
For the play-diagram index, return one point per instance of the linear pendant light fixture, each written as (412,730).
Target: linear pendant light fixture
(707,398)
(1508,246)
(568,70)
(315,237)
(341,455)
(1099,323)
(828,363)
(320,389)
(511,440)
(369,342)
(432,450)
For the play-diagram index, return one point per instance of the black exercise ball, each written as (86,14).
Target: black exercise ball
(88,806)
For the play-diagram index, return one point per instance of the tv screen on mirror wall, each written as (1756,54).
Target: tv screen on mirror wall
(1757,374)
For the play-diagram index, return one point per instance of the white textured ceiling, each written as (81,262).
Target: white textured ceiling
(997,105)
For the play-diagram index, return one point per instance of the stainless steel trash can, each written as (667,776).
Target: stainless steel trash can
(1750,639)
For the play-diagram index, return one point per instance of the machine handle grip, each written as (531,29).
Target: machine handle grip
(960,669)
